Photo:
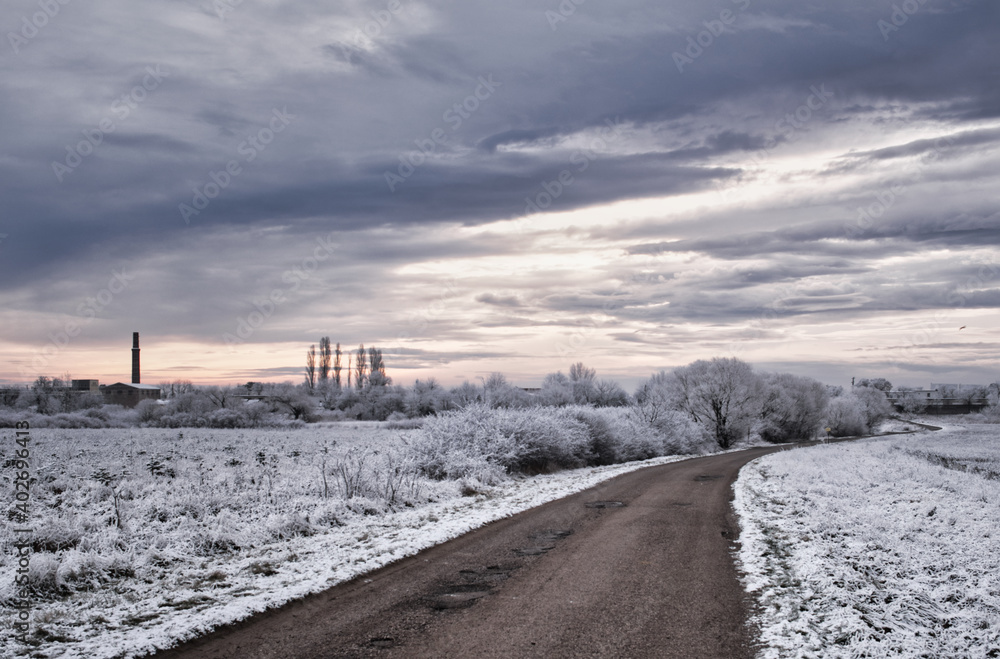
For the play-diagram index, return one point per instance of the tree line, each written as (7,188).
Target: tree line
(325,368)
(724,397)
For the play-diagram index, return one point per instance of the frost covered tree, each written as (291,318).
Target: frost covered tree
(873,404)
(376,368)
(557,390)
(608,393)
(655,397)
(791,407)
(360,367)
(497,392)
(426,397)
(466,394)
(337,366)
(912,402)
(325,355)
(881,384)
(857,412)
(723,395)
(311,367)
(583,383)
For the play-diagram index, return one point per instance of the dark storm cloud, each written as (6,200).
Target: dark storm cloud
(365,101)
(499,300)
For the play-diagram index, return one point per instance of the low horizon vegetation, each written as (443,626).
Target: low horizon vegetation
(726,396)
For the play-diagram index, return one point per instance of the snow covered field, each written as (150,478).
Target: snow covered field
(209,526)
(885,547)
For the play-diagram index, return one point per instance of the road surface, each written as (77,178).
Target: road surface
(639,566)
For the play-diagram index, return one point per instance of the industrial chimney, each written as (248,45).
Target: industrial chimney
(135,358)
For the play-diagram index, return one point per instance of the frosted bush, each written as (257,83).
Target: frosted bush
(845,418)
(43,576)
(221,534)
(55,534)
(284,527)
(486,442)
(227,418)
(88,570)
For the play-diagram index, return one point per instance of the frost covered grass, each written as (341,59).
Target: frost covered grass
(879,548)
(144,537)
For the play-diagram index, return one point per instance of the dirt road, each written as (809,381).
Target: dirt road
(639,566)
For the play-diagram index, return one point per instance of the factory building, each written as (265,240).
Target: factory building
(133,393)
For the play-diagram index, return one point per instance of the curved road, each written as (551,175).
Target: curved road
(578,577)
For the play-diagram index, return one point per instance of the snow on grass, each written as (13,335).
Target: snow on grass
(207,527)
(874,548)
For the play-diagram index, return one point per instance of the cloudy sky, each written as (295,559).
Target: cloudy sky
(500,186)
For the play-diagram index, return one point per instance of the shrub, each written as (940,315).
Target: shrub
(227,418)
(285,527)
(148,412)
(844,417)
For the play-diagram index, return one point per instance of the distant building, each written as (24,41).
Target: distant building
(943,398)
(128,395)
(92,386)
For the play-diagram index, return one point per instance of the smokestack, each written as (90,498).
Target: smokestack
(135,358)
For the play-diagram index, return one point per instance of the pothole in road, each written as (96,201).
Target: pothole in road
(382,643)
(491,575)
(605,504)
(533,551)
(680,503)
(550,536)
(459,596)
(707,477)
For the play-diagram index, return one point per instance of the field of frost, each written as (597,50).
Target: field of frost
(879,548)
(143,537)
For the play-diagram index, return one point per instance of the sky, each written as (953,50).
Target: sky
(516,187)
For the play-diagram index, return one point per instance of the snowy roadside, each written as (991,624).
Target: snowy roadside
(224,591)
(873,548)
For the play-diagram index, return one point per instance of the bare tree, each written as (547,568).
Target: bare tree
(337,367)
(721,394)
(655,398)
(881,384)
(557,390)
(608,393)
(360,366)
(376,368)
(791,407)
(583,383)
(311,367)
(324,359)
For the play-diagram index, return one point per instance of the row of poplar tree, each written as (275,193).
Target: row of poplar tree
(325,367)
